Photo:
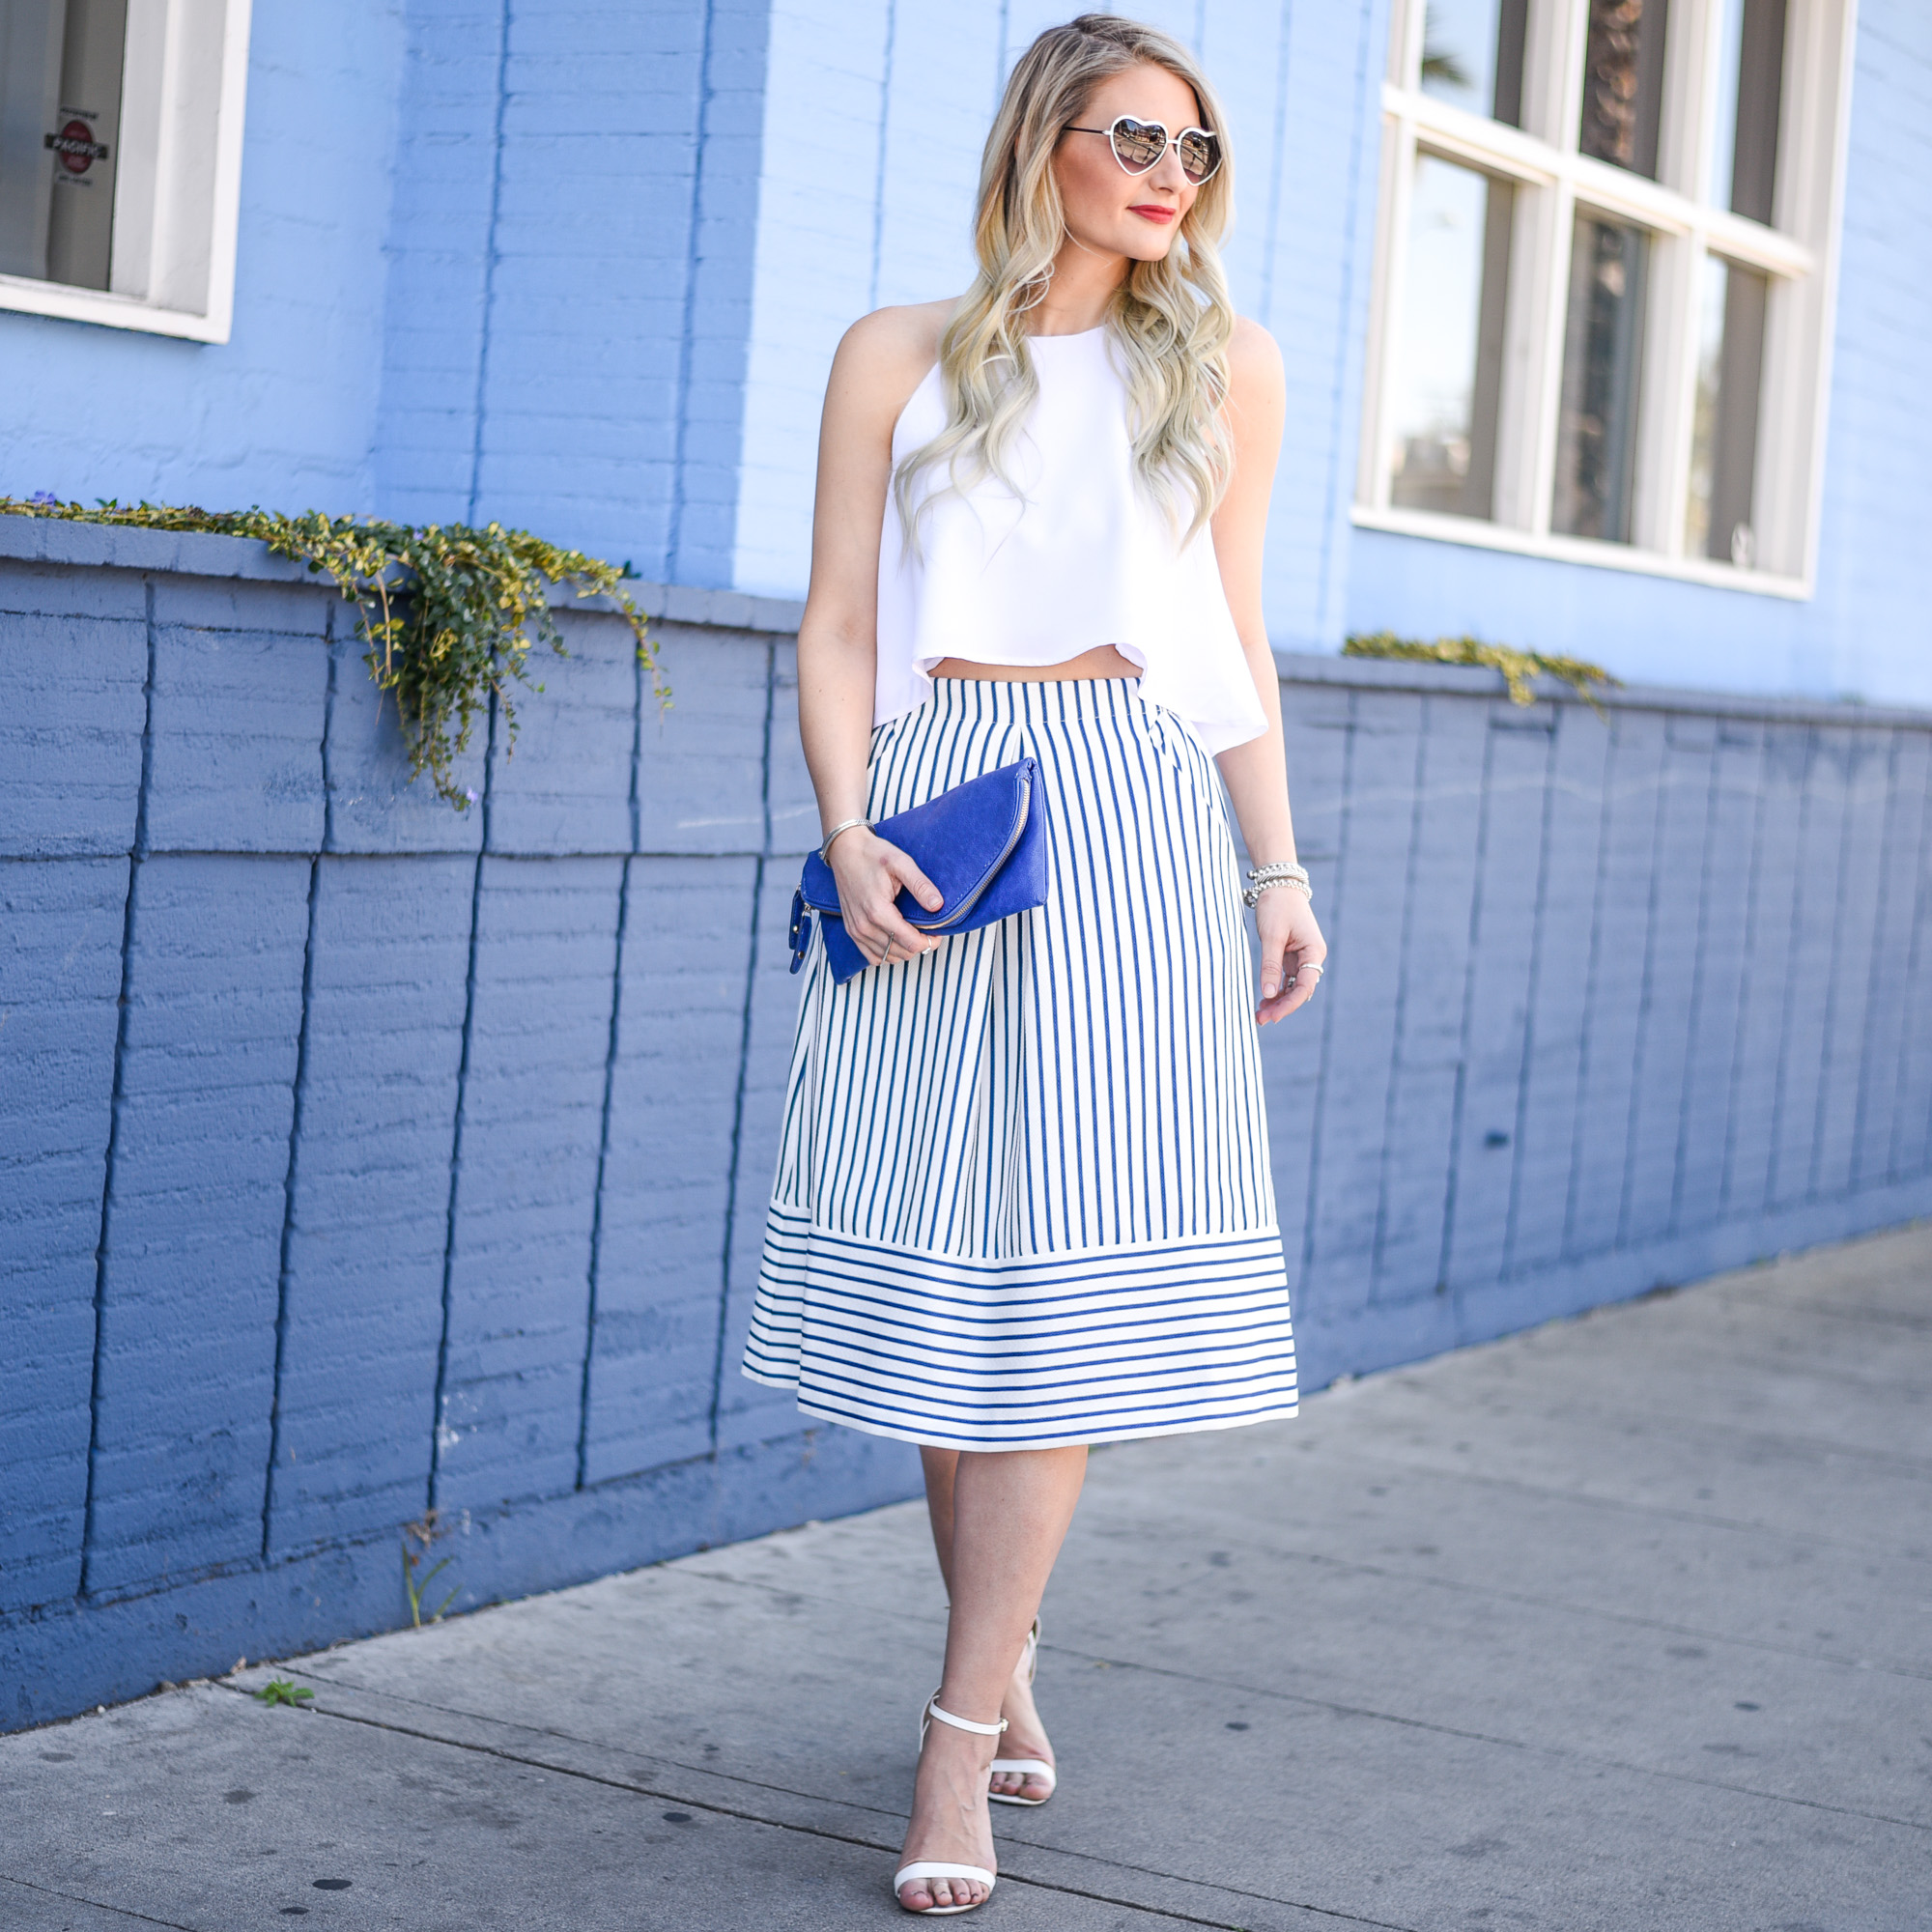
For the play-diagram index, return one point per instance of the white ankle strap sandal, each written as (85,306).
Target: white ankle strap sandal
(1026,1767)
(932,1868)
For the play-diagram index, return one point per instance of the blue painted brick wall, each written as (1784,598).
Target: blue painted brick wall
(60,979)
(361,1264)
(192,1230)
(1558,997)
(571,265)
(322,1105)
(668,1167)
(532,1111)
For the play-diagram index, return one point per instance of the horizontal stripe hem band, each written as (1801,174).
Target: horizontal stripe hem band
(930,1433)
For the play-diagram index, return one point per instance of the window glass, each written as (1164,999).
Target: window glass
(1723,441)
(1603,356)
(1623,83)
(1473,55)
(60,132)
(1751,81)
(1724,121)
(1448,368)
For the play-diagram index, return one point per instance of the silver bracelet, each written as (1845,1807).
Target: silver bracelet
(844,825)
(1281,874)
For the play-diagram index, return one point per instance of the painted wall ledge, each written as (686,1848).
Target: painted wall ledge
(46,540)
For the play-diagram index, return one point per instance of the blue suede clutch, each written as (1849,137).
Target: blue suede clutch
(982,843)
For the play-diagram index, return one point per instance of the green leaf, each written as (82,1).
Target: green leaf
(1518,667)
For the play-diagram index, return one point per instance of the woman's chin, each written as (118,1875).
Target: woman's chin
(1137,239)
(1147,241)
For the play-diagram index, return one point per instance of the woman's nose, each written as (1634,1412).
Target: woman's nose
(1167,172)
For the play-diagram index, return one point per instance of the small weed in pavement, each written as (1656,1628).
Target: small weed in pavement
(279,1690)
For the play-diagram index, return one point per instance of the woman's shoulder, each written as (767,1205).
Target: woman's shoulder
(884,357)
(1254,357)
(893,347)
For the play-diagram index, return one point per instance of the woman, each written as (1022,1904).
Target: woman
(1023,1200)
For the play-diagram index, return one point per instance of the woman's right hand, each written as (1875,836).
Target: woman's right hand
(869,871)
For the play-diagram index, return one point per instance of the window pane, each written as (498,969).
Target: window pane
(1723,442)
(1751,81)
(1623,83)
(1602,354)
(60,130)
(1448,368)
(1473,55)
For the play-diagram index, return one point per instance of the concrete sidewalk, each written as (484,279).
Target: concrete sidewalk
(1624,1623)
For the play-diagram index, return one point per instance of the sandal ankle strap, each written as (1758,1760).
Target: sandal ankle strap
(964,1723)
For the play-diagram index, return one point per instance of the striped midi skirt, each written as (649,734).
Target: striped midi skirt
(1023,1196)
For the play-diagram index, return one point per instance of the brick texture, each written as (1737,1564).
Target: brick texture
(404,1099)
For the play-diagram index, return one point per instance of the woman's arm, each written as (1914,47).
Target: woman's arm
(1256,774)
(881,361)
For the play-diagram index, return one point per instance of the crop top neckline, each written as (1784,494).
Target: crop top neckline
(933,368)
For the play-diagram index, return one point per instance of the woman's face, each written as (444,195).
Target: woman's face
(1108,209)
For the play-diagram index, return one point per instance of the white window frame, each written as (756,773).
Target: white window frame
(1799,252)
(177,178)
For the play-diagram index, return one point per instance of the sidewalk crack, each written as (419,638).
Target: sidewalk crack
(657,1792)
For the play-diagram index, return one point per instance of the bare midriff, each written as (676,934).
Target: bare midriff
(1104,661)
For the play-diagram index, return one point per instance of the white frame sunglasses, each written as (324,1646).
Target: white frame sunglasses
(1134,122)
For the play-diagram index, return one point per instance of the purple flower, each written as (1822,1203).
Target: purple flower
(470,796)
(47,500)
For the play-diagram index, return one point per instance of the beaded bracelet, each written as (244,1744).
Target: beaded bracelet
(1281,874)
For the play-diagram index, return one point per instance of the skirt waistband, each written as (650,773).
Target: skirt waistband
(1040,699)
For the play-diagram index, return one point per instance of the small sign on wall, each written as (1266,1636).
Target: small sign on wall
(81,222)
(61,69)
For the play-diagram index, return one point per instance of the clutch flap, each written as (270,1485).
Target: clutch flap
(959,840)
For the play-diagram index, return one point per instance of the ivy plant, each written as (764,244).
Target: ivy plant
(448,612)
(1518,667)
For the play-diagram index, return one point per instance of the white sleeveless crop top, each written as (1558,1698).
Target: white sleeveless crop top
(1086,559)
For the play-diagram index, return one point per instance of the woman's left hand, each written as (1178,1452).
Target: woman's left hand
(1293,951)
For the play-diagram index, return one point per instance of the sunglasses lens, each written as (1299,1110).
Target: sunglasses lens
(1199,154)
(1137,147)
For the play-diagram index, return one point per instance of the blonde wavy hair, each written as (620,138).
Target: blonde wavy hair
(1171,319)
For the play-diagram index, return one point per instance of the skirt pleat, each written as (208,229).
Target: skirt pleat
(1023,1196)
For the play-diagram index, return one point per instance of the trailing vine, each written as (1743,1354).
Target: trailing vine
(1518,667)
(448,612)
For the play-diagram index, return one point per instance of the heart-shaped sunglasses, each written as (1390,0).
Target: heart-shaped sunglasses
(1138,145)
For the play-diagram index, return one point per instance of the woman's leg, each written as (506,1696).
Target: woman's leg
(940,1466)
(1026,1736)
(1004,1517)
